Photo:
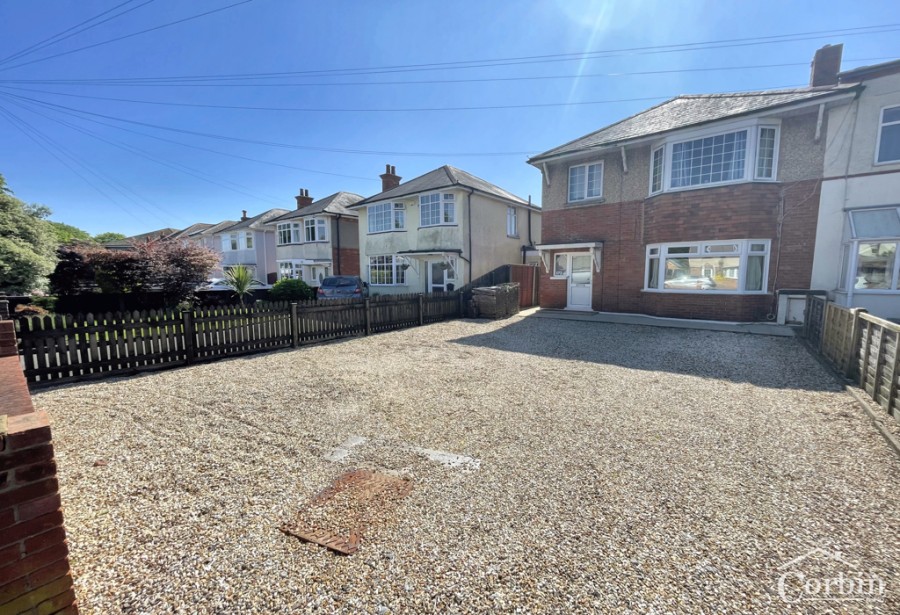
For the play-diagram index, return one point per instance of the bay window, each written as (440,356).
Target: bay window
(386,217)
(735,266)
(437,209)
(386,271)
(870,256)
(316,229)
(585,182)
(288,232)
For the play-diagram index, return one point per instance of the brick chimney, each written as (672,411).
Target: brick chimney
(244,215)
(389,179)
(303,199)
(826,65)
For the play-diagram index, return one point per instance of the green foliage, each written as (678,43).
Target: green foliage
(27,243)
(240,280)
(291,290)
(107,237)
(74,272)
(67,234)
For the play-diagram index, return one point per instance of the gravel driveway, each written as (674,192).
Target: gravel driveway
(614,469)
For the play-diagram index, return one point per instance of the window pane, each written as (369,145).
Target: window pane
(891,115)
(594,180)
(722,247)
(875,265)
(682,250)
(702,273)
(889,148)
(653,273)
(576,183)
(560,268)
(757,247)
(712,159)
(876,223)
(656,184)
(765,156)
(756,266)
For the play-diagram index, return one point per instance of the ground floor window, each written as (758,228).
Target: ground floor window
(386,271)
(290,270)
(876,265)
(733,266)
(870,260)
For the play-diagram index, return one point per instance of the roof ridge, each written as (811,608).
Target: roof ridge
(449,171)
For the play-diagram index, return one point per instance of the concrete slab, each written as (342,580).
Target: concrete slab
(756,328)
(344,450)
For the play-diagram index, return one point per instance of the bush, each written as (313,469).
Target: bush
(291,290)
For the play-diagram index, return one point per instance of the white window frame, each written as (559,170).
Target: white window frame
(446,204)
(512,222)
(280,229)
(296,270)
(853,268)
(662,171)
(752,128)
(698,250)
(397,211)
(881,125)
(398,274)
(319,230)
(233,242)
(587,166)
(248,240)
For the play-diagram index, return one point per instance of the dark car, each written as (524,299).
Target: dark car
(343,287)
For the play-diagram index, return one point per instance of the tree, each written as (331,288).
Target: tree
(288,289)
(240,280)
(177,268)
(107,237)
(27,243)
(74,271)
(67,234)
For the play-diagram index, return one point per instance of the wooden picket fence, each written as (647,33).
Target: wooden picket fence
(862,347)
(64,348)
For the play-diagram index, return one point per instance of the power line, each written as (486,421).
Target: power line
(420,81)
(57,38)
(573,56)
(125,36)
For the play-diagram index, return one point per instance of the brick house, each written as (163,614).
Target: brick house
(700,207)
(318,239)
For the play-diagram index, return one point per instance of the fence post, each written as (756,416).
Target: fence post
(295,326)
(853,350)
(187,318)
(421,309)
(462,304)
(368,318)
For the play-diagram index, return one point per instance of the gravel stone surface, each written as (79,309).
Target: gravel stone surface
(619,469)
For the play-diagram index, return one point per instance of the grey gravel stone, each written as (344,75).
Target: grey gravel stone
(622,469)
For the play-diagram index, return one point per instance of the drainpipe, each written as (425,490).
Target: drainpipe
(338,239)
(530,241)
(469,216)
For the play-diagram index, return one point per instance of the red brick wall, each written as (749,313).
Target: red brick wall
(742,211)
(349,261)
(34,569)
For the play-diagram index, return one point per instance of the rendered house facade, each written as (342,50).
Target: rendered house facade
(318,239)
(858,233)
(251,243)
(701,207)
(441,230)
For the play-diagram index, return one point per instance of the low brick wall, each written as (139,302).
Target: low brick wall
(34,567)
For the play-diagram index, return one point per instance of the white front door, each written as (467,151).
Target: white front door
(437,277)
(580,268)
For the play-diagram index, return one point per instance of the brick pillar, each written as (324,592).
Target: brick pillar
(34,566)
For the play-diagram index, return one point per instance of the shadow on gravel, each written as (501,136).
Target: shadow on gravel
(774,362)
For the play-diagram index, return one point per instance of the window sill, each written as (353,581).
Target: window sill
(680,291)
(594,200)
(885,163)
(396,230)
(512,237)
(437,225)
(874,291)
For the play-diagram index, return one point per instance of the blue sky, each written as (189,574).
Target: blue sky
(153,183)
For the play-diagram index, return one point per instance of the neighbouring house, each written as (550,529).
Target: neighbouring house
(700,207)
(857,258)
(128,242)
(318,239)
(440,231)
(206,237)
(251,243)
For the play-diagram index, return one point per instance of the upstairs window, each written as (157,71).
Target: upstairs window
(585,182)
(248,240)
(315,229)
(765,154)
(719,158)
(512,222)
(436,209)
(889,136)
(656,170)
(284,234)
(230,242)
(386,217)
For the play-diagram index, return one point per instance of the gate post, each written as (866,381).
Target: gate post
(421,309)
(368,313)
(187,318)
(295,326)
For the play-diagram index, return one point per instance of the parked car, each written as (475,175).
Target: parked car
(343,287)
(692,283)
(222,284)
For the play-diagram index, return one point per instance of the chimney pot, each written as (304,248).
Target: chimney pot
(303,199)
(826,65)
(244,215)
(389,179)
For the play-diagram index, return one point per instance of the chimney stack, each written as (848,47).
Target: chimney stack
(389,179)
(303,199)
(244,216)
(826,65)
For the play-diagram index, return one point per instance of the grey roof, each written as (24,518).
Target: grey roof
(255,221)
(191,230)
(443,177)
(690,110)
(336,203)
(128,242)
(213,229)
